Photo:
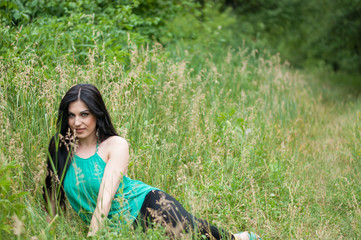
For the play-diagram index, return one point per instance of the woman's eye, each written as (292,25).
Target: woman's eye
(71,115)
(84,114)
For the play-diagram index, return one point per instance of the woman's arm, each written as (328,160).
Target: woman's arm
(115,169)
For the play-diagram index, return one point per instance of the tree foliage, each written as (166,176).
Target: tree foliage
(306,33)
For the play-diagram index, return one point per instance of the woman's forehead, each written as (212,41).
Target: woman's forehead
(77,106)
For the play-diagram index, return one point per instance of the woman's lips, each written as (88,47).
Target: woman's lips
(80,130)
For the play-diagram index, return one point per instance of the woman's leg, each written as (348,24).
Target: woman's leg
(159,207)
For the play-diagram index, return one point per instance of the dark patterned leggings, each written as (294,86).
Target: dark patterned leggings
(159,207)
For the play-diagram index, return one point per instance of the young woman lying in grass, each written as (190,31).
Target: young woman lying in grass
(90,161)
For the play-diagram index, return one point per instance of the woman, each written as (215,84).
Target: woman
(90,162)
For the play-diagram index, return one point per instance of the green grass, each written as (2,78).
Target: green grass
(237,137)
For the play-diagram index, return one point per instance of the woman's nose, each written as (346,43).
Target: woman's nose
(77,121)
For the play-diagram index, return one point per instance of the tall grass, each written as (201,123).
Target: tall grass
(238,138)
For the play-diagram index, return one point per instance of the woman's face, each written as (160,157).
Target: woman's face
(81,120)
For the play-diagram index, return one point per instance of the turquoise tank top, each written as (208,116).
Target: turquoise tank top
(82,182)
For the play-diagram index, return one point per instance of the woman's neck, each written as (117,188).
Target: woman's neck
(87,142)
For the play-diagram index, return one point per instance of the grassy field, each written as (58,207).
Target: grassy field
(239,138)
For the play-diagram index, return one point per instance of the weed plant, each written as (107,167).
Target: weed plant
(239,138)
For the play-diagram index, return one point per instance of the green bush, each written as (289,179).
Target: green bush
(56,28)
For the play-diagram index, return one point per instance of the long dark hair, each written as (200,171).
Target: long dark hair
(61,144)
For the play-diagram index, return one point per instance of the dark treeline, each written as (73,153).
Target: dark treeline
(306,33)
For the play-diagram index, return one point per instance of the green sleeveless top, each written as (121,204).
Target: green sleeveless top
(82,182)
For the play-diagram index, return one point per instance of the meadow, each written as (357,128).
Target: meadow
(236,134)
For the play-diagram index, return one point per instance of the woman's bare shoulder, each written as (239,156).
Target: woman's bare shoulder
(115,141)
(113,146)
